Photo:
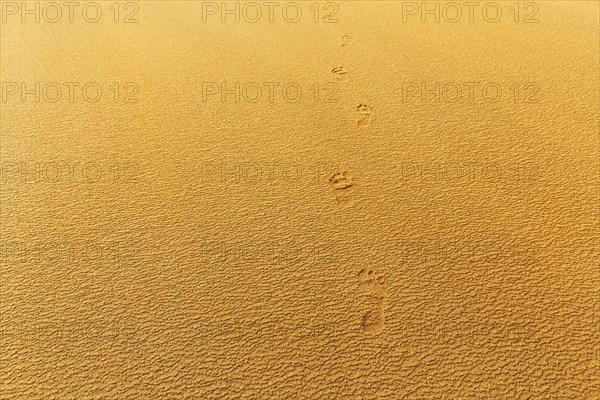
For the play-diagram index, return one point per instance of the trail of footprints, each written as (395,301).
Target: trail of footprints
(372,285)
(365,112)
(342,182)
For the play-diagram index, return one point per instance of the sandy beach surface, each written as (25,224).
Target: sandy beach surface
(300,200)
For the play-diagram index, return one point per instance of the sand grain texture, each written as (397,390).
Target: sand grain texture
(371,247)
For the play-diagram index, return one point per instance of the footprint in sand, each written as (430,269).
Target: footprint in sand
(343,182)
(372,322)
(346,40)
(340,73)
(373,286)
(366,115)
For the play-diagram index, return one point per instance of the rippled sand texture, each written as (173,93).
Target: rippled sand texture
(367,240)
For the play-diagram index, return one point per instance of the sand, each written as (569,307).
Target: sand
(354,202)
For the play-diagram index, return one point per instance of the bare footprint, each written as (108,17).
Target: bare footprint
(346,40)
(373,285)
(341,74)
(366,115)
(373,321)
(345,198)
(341,180)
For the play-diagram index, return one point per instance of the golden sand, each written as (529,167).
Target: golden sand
(300,200)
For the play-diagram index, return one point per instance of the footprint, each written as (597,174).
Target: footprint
(373,321)
(341,74)
(366,115)
(346,40)
(341,180)
(345,199)
(373,286)
(371,283)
